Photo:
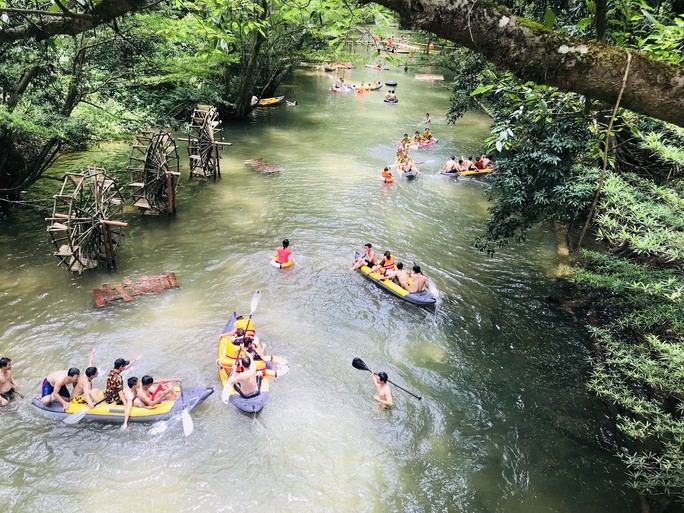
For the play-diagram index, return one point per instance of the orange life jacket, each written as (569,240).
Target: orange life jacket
(244,324)
(388,263)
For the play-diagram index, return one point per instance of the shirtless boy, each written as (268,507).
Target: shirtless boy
(83,392)
(384,395)
(399,275)
(148,398)
(54,386)
(419,280)
(369,257)
(7,382)
(247,379)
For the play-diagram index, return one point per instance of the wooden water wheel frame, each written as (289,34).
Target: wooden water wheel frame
(155,173)
(204,151)
(87,220)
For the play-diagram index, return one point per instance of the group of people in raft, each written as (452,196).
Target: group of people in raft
(389,270)
(140,392)
(245,360)
(403,161)
(467,164)
(341,84)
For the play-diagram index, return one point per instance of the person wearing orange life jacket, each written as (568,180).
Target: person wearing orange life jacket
(233,350)
(385,264)
(387,175)
(244,325)
(284,254)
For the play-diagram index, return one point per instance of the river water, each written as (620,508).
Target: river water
(505,424)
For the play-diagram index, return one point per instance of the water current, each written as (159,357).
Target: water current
(505,425)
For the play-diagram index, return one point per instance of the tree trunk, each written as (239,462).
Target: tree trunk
(534,53)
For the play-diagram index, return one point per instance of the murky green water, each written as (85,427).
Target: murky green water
(505,424)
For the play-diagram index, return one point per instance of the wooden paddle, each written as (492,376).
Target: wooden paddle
(227,386)
(358,363)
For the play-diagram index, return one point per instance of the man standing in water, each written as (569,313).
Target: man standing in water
(384,395)
(7,382)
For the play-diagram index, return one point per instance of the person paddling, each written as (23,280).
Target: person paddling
(7,383)
(384,394)
(284,254)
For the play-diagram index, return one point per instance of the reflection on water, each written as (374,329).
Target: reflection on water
(505,424)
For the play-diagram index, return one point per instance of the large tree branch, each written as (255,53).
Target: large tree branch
(591,68)
(103,12)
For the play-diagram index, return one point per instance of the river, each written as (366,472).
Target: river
(505,425)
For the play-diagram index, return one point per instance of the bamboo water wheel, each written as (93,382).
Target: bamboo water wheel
(155,173)
(204,150)
(87,220)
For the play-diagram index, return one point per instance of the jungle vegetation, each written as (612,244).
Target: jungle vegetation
(586,99)
(613,178)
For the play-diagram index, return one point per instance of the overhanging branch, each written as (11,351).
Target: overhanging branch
(104,12)
(590,68)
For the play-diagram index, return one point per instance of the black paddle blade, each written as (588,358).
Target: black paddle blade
(358,363)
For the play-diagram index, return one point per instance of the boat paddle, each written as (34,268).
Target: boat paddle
(358,363)
(415,163)
(227,386)
(188,426)
(77,417)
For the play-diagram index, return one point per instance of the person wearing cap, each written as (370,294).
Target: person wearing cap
(419,282)
(114,391)
(384,394)
(369,257)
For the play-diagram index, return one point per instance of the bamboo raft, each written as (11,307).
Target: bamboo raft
(128,289)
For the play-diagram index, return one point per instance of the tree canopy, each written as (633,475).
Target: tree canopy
(536,53)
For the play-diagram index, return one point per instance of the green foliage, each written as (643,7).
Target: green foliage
(641,217)
(641,335)
(544,145)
